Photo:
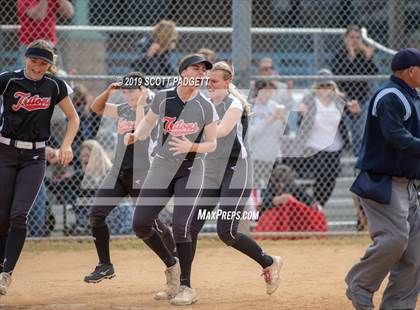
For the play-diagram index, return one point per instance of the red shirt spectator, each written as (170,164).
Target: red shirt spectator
(38,19)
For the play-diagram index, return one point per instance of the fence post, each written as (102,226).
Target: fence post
(319,51)
(241,41)
(89,43)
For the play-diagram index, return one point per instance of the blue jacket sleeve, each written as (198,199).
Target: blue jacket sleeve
(390,116)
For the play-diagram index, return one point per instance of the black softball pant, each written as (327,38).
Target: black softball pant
(166,178)
(115,186)
(229,183)
(21,174)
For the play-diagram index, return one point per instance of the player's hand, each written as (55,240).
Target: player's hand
(114,86)
(180,145)
(354,106)
(65,155)
(129,138)
(144,94)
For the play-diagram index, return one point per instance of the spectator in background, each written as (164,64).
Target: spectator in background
(38,19)
(79,188)
(89,121)
(284,92)
(208,53)
(286,205)
(323,135)
(265,131)
(154,51)
(282,184)
(355,58)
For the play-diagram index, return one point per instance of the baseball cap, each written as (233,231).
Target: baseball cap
(193,59)
(327,74)
(405,58)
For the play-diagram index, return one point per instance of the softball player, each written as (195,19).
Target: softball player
(228,180)
(127,174)
(29,99)
(185,117)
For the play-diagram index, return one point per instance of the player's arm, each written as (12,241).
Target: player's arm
(65,152)
(39,11)
(141,102)
(210,142)
(184,145)
(143,130)
(228,122)
(65,8)
(100,104)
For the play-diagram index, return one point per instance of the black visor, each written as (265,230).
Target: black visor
(193,60)
(40,53)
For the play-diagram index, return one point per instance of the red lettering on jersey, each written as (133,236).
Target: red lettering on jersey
(178,128)
(125,126)
(29,103)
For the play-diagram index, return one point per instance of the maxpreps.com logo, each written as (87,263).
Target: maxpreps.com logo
(30,103)
(178,128)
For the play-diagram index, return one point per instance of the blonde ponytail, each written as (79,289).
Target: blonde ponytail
(228,74)
(235,92)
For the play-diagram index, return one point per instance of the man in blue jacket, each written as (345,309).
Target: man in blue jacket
(389,162)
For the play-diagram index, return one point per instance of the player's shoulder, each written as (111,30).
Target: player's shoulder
(54,78)
(7,75)
(164,93)
(234,103)
(204,99)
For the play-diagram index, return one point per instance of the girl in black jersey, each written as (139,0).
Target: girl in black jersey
(228,179)
(130,167)
(29,98)
(187,130)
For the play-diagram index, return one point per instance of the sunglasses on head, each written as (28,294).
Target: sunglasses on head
(325,85)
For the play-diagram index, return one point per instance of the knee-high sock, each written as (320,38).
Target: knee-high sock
(185,261)
(101,235)
(250,248)
(156,244)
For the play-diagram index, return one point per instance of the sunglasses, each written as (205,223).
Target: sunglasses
(329,86)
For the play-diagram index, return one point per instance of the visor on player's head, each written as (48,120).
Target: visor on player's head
(193,60)
(40,53)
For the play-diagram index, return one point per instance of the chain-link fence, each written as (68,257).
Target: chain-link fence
(307,67)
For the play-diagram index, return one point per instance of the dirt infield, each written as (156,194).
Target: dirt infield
(49,276)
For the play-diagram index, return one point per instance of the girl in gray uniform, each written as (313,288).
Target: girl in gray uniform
(130,168)
(185,118)
(228,180)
